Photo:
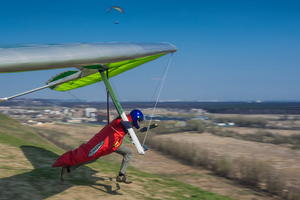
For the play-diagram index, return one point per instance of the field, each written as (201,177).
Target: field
(26,173)
(156,171)
(157,163)
(282,158)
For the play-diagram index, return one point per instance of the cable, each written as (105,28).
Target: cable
(166,71)
(70,93)
(114,88)
(137,161)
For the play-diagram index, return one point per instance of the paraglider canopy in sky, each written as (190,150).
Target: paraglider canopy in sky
(117,8)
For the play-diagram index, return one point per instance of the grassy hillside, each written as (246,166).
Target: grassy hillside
(12,127)
(26,173)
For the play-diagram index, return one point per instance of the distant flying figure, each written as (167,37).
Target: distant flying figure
(117,8)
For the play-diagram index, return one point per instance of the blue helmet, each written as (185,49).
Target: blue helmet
(136,115)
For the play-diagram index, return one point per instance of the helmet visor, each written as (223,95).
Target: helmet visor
(140,121)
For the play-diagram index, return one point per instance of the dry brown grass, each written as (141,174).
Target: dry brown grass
(248,171)
(222,167)
(293,194)
(275,182)
(251,171)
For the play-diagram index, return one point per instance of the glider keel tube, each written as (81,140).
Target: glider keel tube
(3,99)
(121,112)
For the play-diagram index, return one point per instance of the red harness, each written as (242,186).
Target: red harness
(105,142)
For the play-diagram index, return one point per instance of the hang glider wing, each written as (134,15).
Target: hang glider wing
(92,75)
(42,57)
(116,57)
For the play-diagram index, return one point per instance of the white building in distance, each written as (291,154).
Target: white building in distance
(90,112)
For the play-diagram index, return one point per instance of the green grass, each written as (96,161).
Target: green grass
(54,135)
(12,127)
(18,142)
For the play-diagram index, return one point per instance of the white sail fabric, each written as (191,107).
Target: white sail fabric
(42,57)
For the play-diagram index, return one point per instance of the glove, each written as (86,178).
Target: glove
(143,129)
(146,129)
(126,124)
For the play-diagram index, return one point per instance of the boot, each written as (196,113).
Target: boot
(123,179)
(64,173)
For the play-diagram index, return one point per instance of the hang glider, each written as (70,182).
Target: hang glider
(95,62)
(88,58)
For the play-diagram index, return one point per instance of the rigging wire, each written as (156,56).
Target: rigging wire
(70,93)
(107,99)
(115,89)
(163,80)
(103,86)
(164,74)
(160,80)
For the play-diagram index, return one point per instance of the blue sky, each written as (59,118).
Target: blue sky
(227,50)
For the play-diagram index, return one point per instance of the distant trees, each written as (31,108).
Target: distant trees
(165,127)
(244,122)
(200,126)
(197,125)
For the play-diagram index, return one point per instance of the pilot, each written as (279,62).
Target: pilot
(135,118)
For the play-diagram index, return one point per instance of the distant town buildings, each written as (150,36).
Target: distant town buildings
(226,124)
(197,111)
(64,114)
(102,117)
(39,115)
(90,112)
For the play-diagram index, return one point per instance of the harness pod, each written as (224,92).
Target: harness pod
(105,142)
